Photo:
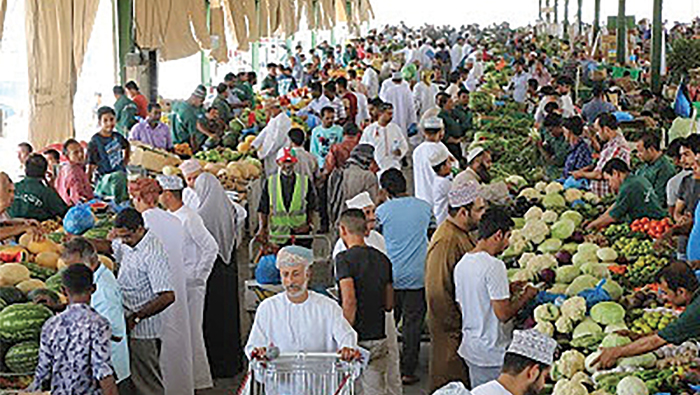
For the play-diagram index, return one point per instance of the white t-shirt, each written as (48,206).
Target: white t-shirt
(375,239)
(423,174)
(480,279)
(441,188)
(673,185)
(491,388)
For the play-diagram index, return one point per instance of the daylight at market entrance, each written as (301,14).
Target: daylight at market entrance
(349,197)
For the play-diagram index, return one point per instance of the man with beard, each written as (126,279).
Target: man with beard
(449,243)
(312,322)
(526,366)
(478,166)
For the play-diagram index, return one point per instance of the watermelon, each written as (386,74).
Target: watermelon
(23,357)
(39,272)
(11,295)
(35,294)
(54,282)
(22,321)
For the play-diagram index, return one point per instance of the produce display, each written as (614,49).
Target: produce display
(654,228)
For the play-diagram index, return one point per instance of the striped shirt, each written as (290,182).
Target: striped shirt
(144,272)
(615,148)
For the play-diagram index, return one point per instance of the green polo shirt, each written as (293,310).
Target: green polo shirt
(658,173)
(686,326)
(635,200)
(184,121)
(464,116)
(245,92)
(34,200)
(223,107)
(452,126)
(559,148)
(126,111)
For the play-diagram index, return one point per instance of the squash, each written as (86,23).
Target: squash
(47,259)
(25,239)
(45,245)
(27,286)
(107,262)
(13,273)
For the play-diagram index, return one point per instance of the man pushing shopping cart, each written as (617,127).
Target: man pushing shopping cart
(300,343)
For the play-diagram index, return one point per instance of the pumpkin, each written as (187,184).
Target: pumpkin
(44,245)
(27,286)
(13,273)
(47,259)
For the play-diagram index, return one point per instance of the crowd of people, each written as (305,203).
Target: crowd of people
(417,239)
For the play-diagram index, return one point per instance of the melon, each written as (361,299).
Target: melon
(47,259)
(44,245)
(25,239)
(107,262)
(13,249)
(13,273)
(60,264)
(23,357)
(30,285)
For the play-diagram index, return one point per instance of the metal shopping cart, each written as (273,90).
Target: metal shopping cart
(301,374)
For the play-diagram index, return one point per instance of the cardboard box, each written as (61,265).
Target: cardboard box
(150,158)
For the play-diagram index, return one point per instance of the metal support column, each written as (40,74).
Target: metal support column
(549,14)
(656,48)
(621,33)
(153,76)
(314,31)
(205,63)
(539,10)
(556,11)
(596,22)
(125,29)
(579,17)
(566,19)
(255,47)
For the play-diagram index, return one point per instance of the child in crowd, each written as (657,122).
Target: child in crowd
(72,183)
(53,158)
(442,166)
(108,156)
(364,279)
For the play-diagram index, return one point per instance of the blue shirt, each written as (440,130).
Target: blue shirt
(74,354)
(321,141)
(107,301)
(693,249)
(107,153)
(404,223)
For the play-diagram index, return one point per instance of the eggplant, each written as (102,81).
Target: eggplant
(563,257)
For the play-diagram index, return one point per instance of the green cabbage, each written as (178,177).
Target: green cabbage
(647,361)
(612,328)
(559,289)
(586,327)
(546,313)
(563,229)
(574,308)
(607,254)
(614,289)
(598,270)
(582,282)
(519,223)
(553,201)
(573,216)
(584,247)
(567,274)
(615,340)
(549,246)
(570,248)
(608,313)
(582,257)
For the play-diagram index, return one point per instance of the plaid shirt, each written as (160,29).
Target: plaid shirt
(615,148)
(579,157)
(144,272)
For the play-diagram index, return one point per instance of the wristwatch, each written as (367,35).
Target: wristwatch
(137,320)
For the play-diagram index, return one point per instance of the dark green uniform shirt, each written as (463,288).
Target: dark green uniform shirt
(636,199)
(184,121)
(33,199)
(558,148)
(245,92)
(658,173)
(686,326)
(453,128)
(125,110)
(270,82)
(223,108)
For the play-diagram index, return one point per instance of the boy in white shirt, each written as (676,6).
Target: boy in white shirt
(442,166)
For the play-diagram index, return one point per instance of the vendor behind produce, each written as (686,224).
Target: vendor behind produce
(10,228)
(185,119)
(657,168)
(552,145)
(287,202)
(33,198)
(636,197)
(679,286)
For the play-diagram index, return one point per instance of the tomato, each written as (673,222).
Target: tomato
(644,220)
(646,226)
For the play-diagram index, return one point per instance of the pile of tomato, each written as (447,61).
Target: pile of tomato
(654,228)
